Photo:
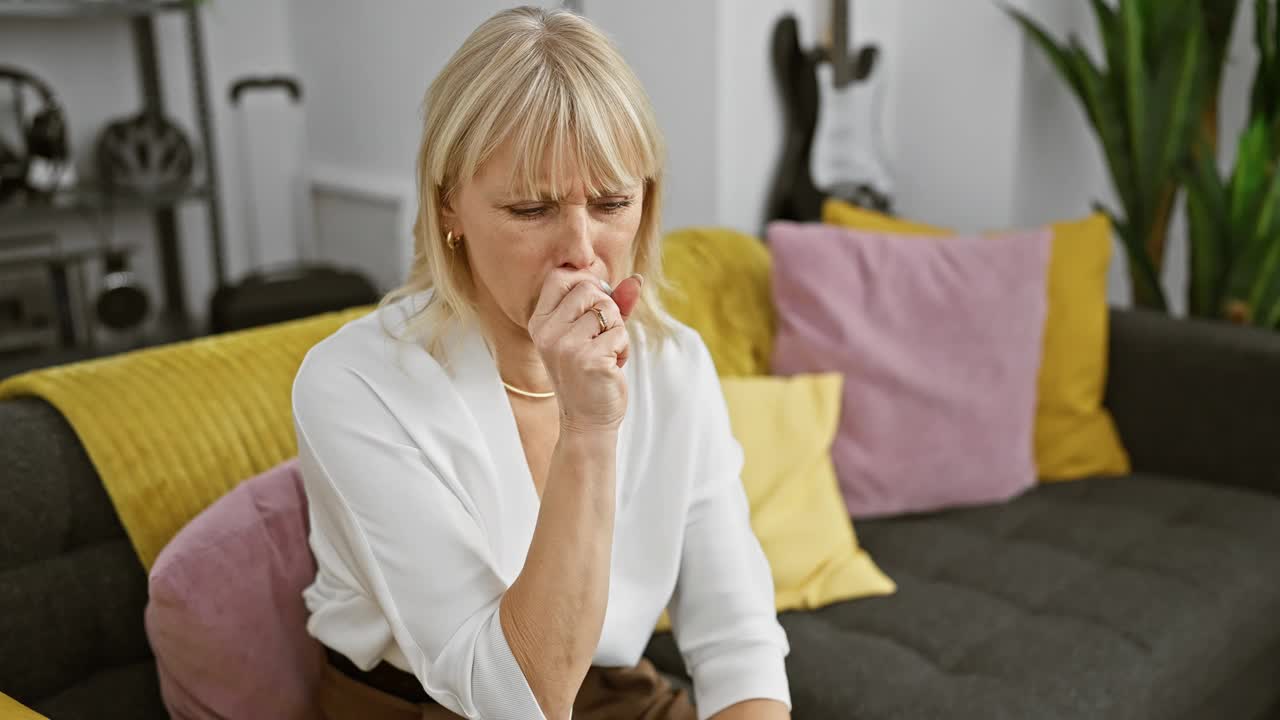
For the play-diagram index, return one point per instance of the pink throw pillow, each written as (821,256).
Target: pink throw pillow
(939,341)
(226,618)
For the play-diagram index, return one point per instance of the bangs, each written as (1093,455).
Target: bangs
(562,121)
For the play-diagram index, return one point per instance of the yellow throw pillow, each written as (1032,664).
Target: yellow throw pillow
(1074,434)
(786,426)
(718,284)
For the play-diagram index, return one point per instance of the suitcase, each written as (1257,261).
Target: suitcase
(291,288)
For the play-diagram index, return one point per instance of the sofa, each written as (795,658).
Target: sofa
(1152,595)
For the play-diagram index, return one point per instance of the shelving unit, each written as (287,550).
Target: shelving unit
(174,320)
(93,199)
(87,8)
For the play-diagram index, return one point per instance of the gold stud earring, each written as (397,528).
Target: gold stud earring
(452,241)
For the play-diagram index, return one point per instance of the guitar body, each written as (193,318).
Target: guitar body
(794,195)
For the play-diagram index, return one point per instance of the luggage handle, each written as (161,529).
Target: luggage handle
(304,241)
(266,82)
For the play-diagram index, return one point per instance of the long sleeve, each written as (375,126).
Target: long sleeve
(386,526)
(722,609)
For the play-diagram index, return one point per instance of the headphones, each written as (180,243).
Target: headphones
(46,152)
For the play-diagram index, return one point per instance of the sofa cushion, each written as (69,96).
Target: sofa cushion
(718,284)
(226,617)
(939,343)
(125,692)
(1075,435)
(1128,597)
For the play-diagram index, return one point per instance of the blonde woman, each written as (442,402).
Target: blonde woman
(518,461)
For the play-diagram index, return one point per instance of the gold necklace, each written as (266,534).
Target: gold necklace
(526,393)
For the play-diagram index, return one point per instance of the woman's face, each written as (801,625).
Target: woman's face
(513,241)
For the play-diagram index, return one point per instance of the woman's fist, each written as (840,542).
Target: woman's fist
(580,332)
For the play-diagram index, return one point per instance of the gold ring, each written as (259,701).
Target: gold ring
(604,324)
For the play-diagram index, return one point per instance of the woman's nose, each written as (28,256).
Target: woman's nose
(576,247)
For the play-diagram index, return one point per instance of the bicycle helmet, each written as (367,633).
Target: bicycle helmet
(145,154)
(13,172)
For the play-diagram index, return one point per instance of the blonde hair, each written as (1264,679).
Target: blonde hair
(541,78)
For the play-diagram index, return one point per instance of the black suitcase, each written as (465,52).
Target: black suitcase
(289,293)
(292,290)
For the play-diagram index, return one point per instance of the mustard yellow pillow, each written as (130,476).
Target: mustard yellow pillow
(718,284)
(1074,434)
(786,426)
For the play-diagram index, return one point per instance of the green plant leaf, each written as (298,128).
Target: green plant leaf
(1262,260)
(1106,113)
(1161,19)
(1265,297)
(1203,257)
(1177,94)
(1208,234)
(1108,23)
(1268,315)
(1135,84)
(1106,18)
(1248,179)
(1146,279)
(1265,96)
(1219,18)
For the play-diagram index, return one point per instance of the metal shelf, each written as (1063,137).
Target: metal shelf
(94,199)
(88,8)
(164,329)
(53,254)
(15,340)
(171,320)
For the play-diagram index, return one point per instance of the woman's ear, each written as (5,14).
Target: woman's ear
(449,220)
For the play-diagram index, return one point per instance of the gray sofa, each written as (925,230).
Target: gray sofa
(1155,595)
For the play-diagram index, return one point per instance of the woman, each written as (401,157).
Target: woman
(519,461)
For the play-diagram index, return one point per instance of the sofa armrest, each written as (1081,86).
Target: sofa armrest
(1196,398)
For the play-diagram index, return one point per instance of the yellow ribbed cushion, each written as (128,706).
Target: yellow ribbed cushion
(718,284)
(1074,434)
(171,429)
(11,709)
(786,426)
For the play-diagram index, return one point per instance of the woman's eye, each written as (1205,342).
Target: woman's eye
(536,211)
(529,212)
(614,206)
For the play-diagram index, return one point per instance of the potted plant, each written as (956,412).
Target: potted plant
(1234,222)
(1150,99)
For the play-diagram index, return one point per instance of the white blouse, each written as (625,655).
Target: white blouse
(422,509)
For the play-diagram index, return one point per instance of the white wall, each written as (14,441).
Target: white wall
(980,131)
(952,103)
(750,113)
(365,75)
(671,45)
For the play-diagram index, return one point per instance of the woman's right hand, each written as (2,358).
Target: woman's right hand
(585,365)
